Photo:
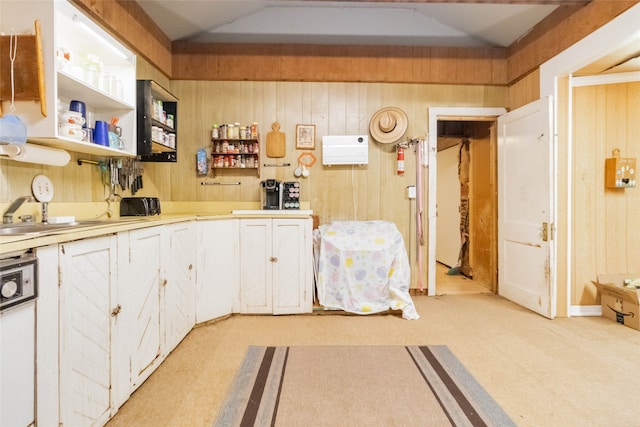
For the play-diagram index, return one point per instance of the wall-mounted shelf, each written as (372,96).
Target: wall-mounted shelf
(157,123)
(68,39)
(235,154)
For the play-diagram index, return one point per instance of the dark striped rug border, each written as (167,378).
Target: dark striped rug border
(461,397)
(255,392)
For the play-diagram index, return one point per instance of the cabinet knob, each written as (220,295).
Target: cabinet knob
(273,259)
(164,282)
(116,311)
(190,266)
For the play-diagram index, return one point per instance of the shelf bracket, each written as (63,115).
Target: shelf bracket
(219,183)
(89,162)
(275,165)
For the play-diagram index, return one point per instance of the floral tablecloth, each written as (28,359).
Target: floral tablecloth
(363,268)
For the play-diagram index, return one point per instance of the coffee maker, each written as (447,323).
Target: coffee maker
(271,194)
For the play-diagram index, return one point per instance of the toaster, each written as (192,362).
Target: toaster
(139,206)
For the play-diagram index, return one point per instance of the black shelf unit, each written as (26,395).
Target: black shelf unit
(148,149)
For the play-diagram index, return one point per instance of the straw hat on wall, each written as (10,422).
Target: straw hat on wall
(388,125)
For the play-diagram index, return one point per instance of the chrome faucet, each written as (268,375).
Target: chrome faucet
(7,218)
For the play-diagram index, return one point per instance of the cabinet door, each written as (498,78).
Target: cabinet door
(87,275)
(179,291)
(47,337)
(255,266)
(143,284)
(292,266)
(217,269)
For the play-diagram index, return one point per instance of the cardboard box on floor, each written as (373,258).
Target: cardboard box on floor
(619,304)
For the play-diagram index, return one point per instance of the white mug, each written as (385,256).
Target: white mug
(73,131)
(72,118)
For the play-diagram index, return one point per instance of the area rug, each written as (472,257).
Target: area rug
(357,386)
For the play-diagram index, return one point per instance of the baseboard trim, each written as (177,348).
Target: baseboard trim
(585,310)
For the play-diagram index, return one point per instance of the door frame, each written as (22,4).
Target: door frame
(430,160)
(616,33)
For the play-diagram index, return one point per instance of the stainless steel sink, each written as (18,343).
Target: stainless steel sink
(22,228)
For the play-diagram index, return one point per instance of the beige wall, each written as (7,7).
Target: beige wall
(606,230)
(373,191)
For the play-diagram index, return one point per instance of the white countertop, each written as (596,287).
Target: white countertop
(271,212)
(9,244)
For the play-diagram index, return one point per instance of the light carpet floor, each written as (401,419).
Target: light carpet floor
(581,371)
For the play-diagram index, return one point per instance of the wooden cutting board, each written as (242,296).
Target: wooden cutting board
(276,142)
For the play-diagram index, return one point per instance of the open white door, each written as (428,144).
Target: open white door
(448,207)
(525,207)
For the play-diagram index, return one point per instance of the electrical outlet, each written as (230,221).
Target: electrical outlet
(411,191)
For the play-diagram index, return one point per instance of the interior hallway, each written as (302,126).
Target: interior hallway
(455,284)
(565,372)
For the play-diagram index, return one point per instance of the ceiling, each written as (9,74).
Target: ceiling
(456,23)
(623,60)
(409,23)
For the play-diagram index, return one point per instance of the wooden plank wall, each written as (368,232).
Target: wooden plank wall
(483,205)
(368,192)
(568,24)
(606,232)
(564,27)
(524,91)
(396,64)
(373,191)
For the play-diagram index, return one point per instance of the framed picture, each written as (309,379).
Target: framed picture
(306,137)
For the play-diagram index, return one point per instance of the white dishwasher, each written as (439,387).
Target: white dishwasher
(18,290)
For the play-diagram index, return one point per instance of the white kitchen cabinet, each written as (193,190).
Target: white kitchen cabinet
(179,299)
(141,267)
(100,71)
(91,370)
(217,269)
(157,270)
(276,266)
(47,337)
(111,308)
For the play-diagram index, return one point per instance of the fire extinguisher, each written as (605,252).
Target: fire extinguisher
(400,160)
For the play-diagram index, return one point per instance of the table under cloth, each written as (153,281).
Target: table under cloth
(363,268)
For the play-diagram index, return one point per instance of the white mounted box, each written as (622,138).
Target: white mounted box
(345,149)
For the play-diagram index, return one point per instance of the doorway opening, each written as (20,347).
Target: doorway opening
(466,211)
